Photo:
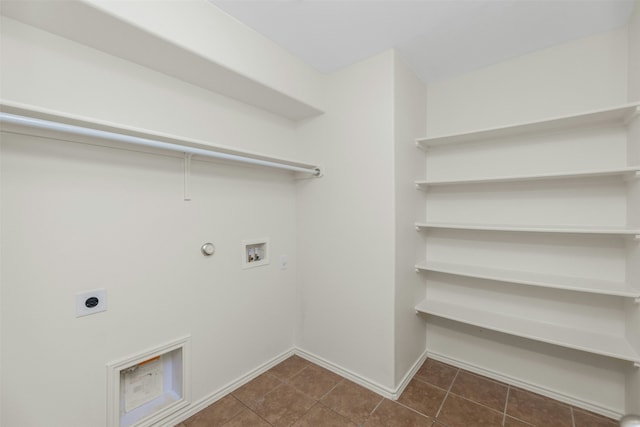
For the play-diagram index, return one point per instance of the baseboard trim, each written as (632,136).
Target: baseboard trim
(570,400)
(409,375)
(196,407)
(387,392)
(352,376)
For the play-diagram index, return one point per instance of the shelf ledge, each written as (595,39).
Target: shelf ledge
(612,346)
(527,278)
(628,173)
(620,114)
(561,229)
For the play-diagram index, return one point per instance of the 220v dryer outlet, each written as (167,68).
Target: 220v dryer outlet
(91,302)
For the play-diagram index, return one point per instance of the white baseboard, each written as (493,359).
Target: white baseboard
(198,406)
(409,375)
(387,392)
(570,400)
(364,382)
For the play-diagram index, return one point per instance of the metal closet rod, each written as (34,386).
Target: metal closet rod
(113,136)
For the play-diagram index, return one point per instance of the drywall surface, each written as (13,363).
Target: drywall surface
(192,40)
(579,76)
(78,217)
(345,236)
(634,53)
(586,74)
(409,123)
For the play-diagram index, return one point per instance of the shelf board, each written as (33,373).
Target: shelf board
(626,172)
(160,50)
(592,342)
(577,284)
(566,229)
(619,114)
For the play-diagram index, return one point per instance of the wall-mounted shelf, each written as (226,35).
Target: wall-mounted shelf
(625,173)
(606,345)
(618,115)
(617,231)
(529,278)
(79,21)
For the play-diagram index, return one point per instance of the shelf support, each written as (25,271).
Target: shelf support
(187,176)
(632,115)
(422,147)
(636,365)
(632,176)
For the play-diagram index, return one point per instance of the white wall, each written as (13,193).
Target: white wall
(586,74)
(579,76)
(77,217)
(345,235)
(634,53)
(409,123)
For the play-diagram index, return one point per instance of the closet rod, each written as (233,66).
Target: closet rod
(113,136)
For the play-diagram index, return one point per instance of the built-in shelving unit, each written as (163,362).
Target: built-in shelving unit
(577,284)
(538,220)
(606,345)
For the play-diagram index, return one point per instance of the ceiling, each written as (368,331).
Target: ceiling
(439,38)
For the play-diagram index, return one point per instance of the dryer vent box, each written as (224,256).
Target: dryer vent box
(148,387)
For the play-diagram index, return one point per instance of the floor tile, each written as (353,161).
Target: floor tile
(460,412)
(322,416)
(247,418)
(217,413)
(289,367)
(283,406)
(481,390)
(538,410)
(256,388)
(315,381)
(352,401)
(392,414)
(512,422)
(588,419)
(422,397)
(436,373)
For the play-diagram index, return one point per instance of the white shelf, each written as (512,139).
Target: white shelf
(621,231)
(627,172)
(591,342)
(620,115)
(78,21)
(578,284)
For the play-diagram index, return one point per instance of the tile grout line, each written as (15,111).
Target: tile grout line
(446,395)
(250,410)
(506,403)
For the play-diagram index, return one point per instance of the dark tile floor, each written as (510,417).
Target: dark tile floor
(298,393)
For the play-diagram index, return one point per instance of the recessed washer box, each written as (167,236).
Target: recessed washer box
(146,388)
(255,252)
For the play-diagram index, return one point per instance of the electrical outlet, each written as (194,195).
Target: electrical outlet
(91,302)
(283,262)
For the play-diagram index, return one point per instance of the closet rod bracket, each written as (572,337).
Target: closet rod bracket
(187,176)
